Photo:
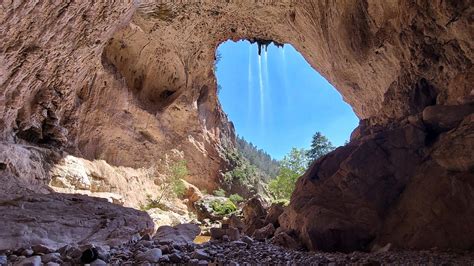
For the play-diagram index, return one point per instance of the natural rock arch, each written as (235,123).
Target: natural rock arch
(126,82)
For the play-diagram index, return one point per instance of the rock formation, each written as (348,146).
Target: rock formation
(128,82)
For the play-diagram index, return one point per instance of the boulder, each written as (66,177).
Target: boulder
(218,233)
(254,215)
(191,192)
(445,117)
(338,204)
(265,232)
(180,234)
(204,209)
(285,240)
(75,218)
(235,222)
(275,210)
(454,149)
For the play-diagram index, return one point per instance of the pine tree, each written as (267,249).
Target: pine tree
(320,145)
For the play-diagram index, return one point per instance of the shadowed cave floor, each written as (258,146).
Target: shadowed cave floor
(241,252)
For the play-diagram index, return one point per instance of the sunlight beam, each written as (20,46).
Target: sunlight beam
(285,76)
(249,85)
(262,108)
(267,84)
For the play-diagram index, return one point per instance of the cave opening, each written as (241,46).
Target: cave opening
(276,99)
(285,114)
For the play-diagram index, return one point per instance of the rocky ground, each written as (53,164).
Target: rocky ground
(246,251)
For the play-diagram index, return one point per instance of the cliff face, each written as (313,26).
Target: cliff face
(129,82)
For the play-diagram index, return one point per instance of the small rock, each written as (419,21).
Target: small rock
(13,257)
(175,258)
(377,249)
(163,242)
(51,257)
(247,239)
(69,251)
(152,255)
(98,262)
(165,258)
(145,243)
(103,252)
(165,249)
(135,238)
(203,262)
(52,264)
(31,261)
(239,243)
(26,252)
(41,249)
(177,247)
(146,237)
(200,254)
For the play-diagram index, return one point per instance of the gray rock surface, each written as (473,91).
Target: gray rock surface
(30,219)
(152,255)
(31,261)
(180,234)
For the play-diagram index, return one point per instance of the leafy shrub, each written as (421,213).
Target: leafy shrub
(223,207)
(283,202)
(236,198)
(152,204)
(178,171)
(219,192)
(179,188)
(293,166)
(171,185)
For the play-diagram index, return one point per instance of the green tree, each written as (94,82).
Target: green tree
(292,166)
(320,146)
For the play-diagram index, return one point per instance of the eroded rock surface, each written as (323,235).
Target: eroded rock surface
(55,220)
(391,185)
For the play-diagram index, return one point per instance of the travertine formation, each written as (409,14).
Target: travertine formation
(129,82)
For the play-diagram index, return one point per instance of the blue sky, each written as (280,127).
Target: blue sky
(278,101)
